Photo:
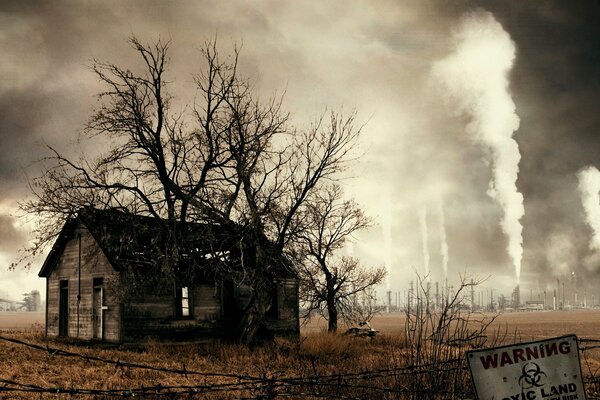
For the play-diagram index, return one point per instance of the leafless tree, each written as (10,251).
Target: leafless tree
(228,159)
(329,284)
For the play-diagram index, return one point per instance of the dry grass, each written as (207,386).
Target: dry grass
(529,325)
(318,353)
(21,320)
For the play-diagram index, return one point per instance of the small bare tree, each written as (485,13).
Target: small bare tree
(331,284)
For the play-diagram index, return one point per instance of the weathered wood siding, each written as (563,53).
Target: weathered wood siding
(287,321)
(205,303)
(155,316)
(284,319)
(214,311)
(94,264)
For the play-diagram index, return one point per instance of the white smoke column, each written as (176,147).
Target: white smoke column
(589,187)
(443,240)
(386,230)
(475,77)
(424,240)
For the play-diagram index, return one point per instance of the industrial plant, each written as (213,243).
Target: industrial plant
(30,302)
(564,295)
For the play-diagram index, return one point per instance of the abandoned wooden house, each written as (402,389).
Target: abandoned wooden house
(104,281)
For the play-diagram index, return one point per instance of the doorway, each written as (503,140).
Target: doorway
(63,308)
(98,309)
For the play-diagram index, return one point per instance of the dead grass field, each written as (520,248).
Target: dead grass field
(528,325)
(21,320)
(318,353)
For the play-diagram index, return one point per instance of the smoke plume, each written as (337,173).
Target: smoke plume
(475,79)
(424,239)
(443,241)
(589,187)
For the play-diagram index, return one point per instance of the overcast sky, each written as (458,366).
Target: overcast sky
(426,76)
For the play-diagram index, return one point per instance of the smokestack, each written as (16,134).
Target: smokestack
(517,298)
(447,293)
(544,299)
(575,302)
(475,78)
(443,241)
(472,295)
(428,291)
(389,301)
(410,297)
(424,240)
(386,230)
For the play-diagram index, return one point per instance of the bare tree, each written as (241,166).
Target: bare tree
(277,178)
(331,285)
(228,159)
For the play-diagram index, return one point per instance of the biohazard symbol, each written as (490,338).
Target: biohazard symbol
(532,376)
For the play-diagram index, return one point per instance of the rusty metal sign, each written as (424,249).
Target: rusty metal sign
(542,370)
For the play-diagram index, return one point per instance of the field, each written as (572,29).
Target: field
(320,366)
(21,320)
(529,325)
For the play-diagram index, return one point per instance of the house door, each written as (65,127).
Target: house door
(63,309)
(98,310)
(230,309)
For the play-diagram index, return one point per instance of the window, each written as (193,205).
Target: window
(183,302)
(273,311)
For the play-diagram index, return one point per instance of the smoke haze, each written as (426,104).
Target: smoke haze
(425,138)
(386,231)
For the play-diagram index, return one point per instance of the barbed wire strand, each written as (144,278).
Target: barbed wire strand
(269,387)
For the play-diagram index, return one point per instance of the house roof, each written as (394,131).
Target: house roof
(130,240)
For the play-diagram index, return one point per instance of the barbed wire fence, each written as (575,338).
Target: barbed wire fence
(369,384)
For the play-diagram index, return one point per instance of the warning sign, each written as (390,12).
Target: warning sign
(543,370)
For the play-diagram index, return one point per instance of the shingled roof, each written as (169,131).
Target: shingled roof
(130,240)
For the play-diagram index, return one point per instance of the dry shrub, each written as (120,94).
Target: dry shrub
(438,337)
(330,347)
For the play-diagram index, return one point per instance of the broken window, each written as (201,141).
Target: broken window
(183,302)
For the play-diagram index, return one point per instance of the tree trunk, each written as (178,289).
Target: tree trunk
(253,317)
(252,320)
(333,316)
(332,311)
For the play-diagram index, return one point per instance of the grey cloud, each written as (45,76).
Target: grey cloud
(10,237)
(375,56)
